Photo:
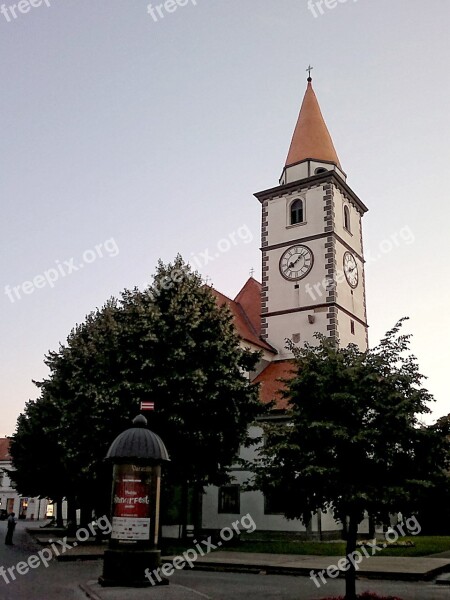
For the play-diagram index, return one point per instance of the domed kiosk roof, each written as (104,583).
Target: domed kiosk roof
(138,442)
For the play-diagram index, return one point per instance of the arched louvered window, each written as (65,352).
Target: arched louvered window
(347,218)
(297,212)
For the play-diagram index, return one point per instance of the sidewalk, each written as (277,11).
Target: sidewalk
(412,569)
(382,568)
(399,568)
(396,568)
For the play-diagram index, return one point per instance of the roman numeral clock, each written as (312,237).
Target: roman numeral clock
(312,246)
(296,262)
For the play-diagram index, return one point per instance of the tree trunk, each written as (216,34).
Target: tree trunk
(59,514)
(85,511)
(319,523)
(372,526)
(184,509)
(197,502)
(350,574)
(71,515)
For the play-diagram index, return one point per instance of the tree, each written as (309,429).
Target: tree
(353,442)
(434,501)
(172,344)
(37,457)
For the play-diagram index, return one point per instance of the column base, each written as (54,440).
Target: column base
(127,568)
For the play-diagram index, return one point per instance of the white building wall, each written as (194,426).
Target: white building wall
(253,503)
(36,508)
(306,169)
(279,231)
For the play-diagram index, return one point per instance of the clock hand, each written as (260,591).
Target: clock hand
(292,264)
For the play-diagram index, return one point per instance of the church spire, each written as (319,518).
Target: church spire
(311,139)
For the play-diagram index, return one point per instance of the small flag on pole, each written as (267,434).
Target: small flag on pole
(147,405)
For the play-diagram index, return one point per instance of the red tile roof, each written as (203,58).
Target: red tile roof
(270,382)
(311,137)
(249,299)
(246,310)
(4,449)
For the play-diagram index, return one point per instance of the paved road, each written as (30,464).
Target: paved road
(59,581)
(235,586)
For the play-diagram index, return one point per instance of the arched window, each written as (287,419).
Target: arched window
(320,170)
(347,218)
(297,215)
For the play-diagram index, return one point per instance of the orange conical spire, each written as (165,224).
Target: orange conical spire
(311,137)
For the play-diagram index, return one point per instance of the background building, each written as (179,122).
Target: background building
(10,500)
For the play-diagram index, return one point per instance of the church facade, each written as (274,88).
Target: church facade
(312,281)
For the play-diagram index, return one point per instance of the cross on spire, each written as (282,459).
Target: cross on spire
(309,69)
(252,271)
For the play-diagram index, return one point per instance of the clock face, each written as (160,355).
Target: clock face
(351,269)
(296,262)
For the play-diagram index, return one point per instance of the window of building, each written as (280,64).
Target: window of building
(320,170)
(273,502)
(297,212)
(352,327)
(229,499)
(347,218)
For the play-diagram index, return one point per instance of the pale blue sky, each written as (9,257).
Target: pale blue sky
(156,135)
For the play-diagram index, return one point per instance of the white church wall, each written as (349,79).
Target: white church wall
(306,169)
(252,502)
(279,230)
(284,326)
(352,237)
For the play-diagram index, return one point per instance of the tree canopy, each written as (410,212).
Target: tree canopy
(171,344)
(353,440)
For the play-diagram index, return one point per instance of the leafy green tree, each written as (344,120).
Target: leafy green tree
(434,501)
(171,344)
(353,442)
(37,457)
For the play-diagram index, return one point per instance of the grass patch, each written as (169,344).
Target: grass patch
(424,546)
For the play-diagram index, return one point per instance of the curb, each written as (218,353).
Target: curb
(89,592)
(235,567)
(74,557)
(306,571)
(443,579)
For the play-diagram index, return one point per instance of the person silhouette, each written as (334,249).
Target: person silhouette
(10,529)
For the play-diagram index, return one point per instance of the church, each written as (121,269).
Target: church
(312,281)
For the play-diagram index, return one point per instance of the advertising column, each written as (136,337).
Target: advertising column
(134,510)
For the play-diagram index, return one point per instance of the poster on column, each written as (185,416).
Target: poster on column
(131,510)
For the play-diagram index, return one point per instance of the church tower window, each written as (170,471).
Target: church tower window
(347,218)
(297,212)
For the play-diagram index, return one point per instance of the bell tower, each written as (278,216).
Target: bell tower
(311,241)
